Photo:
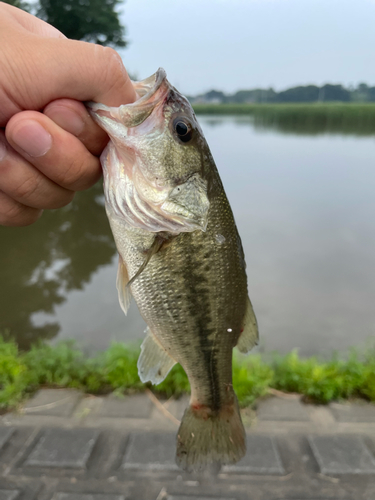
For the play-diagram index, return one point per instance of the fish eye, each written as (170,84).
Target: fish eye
(183,129)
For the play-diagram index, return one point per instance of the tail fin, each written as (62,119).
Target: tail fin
(207,438)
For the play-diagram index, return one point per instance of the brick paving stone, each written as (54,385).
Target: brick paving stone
(262,457)
(282,409)
(342,455)
(353,412)
(5,434)
(150,450)
(53,402)
(87,496)
(63,448)
(178,497)
(9,494)
(137,406)
(177,406)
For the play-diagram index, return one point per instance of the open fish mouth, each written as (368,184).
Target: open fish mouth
(152,91)
(146,88)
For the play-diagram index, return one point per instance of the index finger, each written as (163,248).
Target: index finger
(75,70)
(39,69)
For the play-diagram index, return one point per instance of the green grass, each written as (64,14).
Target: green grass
(115,370)
(350,118)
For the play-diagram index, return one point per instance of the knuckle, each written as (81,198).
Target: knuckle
(15,214)
(114,60)
(32,190)
(73,173)
(115,70)
(61,201)
(27,187)
(5,168)
(81,172)
(30,217)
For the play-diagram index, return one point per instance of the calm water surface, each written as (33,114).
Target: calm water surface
(305,209)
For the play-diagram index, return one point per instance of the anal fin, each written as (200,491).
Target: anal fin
(124,293)
(250,335)
(154,363)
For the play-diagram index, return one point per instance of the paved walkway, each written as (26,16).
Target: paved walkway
(67,446)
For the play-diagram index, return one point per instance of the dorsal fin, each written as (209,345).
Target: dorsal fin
(250,335)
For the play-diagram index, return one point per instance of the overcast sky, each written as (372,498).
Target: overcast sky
(234,44)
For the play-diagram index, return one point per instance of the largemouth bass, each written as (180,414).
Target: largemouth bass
(181,258)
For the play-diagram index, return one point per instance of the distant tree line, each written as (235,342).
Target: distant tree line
(307,93)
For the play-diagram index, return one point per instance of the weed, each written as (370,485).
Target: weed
(64,365)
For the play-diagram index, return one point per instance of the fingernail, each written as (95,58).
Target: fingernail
(3,150)
(32,138)
(67,119)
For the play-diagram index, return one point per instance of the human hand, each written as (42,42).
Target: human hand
(49,145)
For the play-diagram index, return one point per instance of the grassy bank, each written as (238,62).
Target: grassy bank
(64,365)
(303,118)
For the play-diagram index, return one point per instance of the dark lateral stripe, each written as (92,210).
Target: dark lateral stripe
(198,293)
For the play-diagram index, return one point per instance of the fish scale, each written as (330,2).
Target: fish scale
(185,266)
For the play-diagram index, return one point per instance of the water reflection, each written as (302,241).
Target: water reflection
(42,263)
(352,120)
(305,210)
(299,124)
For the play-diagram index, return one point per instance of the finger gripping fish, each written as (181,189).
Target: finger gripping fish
(181,258)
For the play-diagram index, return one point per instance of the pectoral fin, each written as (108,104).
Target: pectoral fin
(154,248)
(124,293)
(154,363)
(250,335)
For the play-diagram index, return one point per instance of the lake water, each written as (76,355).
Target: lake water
(305,209)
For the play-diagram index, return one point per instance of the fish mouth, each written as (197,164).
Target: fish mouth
(114,121)
(149,86)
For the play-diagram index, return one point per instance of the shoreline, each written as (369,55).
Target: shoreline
(255,376)
(301,118)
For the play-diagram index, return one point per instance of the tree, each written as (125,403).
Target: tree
(308,93)
(335,93)
(89,20)
(18,3)
(254,95)
(215,96)
(371,94)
